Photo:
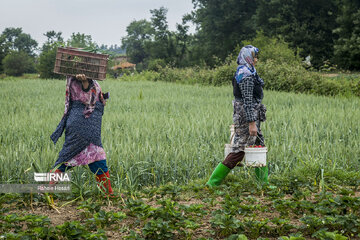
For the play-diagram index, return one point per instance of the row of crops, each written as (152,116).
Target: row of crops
(162,142)
(237,211)
(156,133)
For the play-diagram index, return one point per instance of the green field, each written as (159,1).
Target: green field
(156,133)
(162,141)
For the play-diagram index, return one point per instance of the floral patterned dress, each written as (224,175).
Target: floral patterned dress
(75,89)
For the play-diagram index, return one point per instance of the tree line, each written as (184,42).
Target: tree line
(324,30)
(19,53)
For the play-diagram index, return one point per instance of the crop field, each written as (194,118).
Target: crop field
(162,141)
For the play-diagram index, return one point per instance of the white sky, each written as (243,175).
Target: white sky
(104,20)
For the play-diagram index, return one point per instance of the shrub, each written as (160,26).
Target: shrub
(281,69)
(46,64)
(18,63)
(294,78)
(195,75)
(223,74)
(273,49)
(168,74)
(156,65)
(285,77)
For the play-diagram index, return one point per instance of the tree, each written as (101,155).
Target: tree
(19,41)
(4,50)
(13,39)
(162,46)
(221,25)
(305,24)
(152,42)
(47,57)
(347,46)
(159,23)
(136,43)
(80,40)
(182,41)
(17,63)
(52,38)
(46,63)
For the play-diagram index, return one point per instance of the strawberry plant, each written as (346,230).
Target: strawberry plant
(325,235)
(292,238)
(256,228)
(75,230)
(137,208)
(284,206)
(105,219)
(158,229)
(225,224)
(237,237)
(283,226)
(90,207)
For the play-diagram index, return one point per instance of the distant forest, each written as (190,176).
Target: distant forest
(326,31)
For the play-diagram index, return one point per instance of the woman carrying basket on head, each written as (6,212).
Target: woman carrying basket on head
(84,107)
(248,113)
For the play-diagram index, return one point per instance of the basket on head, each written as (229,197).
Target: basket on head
(72,61)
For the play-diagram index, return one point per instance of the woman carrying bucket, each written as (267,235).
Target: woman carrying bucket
(84,107)
(248,113)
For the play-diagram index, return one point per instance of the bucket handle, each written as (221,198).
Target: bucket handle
(257,135)
(260,139)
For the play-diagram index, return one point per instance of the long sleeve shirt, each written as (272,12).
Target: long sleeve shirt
(249,92)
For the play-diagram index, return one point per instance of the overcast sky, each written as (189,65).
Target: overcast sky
(104,20)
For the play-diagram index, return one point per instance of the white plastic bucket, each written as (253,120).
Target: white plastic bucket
(228,147)
(232,132)
(255,157)
(227,150)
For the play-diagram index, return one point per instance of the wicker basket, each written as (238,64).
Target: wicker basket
(72,61)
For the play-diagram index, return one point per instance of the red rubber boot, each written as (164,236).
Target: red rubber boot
(104,183)
(56,171)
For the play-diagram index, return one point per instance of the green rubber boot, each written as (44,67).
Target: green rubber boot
(220,172)
(262,174)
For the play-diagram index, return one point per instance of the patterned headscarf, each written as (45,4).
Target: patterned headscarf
(245,62)
(246,55)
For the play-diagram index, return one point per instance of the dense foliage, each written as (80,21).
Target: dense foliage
(240,210)
(222,25)
(14,40)
(47,62)
(347,47)
(305,24)
(48,55)
(17,63)
(324,30)
(278,66)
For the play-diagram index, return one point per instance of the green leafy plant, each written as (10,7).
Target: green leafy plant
(325,235)
(225,224)
(105,219)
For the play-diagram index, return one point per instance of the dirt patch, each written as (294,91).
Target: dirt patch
(70,213)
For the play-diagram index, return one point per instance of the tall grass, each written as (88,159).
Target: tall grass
(158,132)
